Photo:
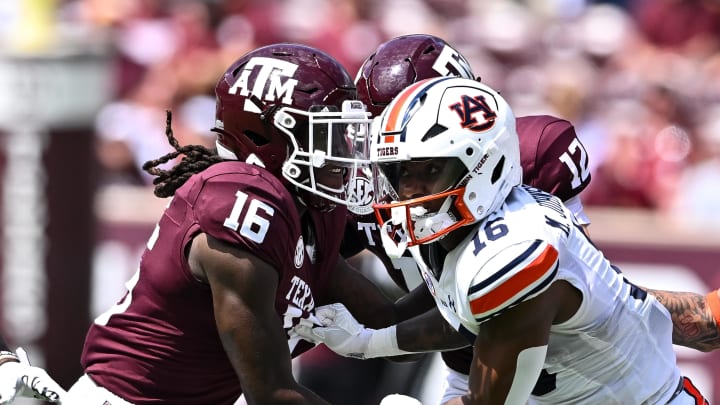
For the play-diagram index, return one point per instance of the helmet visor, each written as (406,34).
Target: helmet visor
(409,179)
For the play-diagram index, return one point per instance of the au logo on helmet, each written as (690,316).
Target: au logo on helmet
(468,110)
(360,193)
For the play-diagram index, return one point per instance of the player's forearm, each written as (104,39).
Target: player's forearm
(365,300)
(428,332)
(694,324)
(414,303)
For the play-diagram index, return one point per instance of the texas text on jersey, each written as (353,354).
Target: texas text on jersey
(179,321)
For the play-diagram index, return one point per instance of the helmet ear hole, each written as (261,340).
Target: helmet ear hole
(256,138)
(497,171)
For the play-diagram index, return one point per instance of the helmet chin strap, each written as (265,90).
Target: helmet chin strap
(393,248)
(424,224)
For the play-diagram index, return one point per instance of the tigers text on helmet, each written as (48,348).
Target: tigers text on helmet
(448,151)
(291,109)
(403,61)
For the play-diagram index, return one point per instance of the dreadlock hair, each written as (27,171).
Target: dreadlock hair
(196,159)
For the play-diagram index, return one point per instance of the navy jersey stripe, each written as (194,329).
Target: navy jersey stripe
(509,267)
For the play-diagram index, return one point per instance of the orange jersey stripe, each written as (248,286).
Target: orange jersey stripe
(694,392)
(391,123)
(520,281)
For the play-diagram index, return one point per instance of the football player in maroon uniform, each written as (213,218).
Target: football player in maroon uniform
(553,160)
(246,248)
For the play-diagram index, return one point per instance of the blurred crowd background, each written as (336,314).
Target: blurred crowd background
(639,79)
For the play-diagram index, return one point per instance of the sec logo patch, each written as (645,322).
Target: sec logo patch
(359,193)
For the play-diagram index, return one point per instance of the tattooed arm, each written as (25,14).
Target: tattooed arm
(694,324)
(695,317)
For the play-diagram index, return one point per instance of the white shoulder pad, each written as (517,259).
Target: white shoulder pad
(517,273)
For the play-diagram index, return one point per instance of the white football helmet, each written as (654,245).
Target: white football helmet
(448,151)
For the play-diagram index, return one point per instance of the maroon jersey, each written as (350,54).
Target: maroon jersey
(159,344)
(553,159)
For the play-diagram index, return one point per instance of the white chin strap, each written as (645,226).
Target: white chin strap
(395,249)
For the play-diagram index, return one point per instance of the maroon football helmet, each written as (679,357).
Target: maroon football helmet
(403,61)
(291,108)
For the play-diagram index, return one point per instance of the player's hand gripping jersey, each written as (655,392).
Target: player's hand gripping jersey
(595,356)
(168,310)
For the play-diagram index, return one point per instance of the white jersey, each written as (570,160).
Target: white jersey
(617,348)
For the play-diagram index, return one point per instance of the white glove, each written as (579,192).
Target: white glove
(22,379)
(399,399)
(344,335)
(339,330)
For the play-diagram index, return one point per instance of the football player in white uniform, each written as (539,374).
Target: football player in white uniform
(552,159)
(508,265)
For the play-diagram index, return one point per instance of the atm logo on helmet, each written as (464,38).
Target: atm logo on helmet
(269,84)
(468,110)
